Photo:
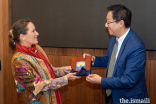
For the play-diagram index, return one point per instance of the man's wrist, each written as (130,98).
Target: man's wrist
(93,59)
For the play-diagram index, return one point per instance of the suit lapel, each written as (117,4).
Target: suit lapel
(121,50)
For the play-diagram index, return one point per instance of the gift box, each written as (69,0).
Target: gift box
(81,65)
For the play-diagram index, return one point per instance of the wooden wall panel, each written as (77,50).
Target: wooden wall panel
(148,75)
(148,55)
(153,82)
(152,55)
(1,52)
(7,86)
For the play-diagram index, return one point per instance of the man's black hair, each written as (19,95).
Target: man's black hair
(121,12)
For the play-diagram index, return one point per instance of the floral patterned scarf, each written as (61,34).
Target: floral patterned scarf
(36,53)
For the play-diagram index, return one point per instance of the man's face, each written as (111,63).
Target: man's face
(113,27)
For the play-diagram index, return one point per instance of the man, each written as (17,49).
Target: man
(125,60)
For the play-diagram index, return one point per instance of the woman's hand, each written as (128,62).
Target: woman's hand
(71,76)
(67,69)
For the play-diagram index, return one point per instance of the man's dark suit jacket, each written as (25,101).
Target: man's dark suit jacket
(128,78)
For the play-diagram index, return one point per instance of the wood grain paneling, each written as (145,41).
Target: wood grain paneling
(147,74)
(148,55)
(100,52)
(81,51)
(7,86)
(70,51)
(1,52)
(152,55)
(153,82)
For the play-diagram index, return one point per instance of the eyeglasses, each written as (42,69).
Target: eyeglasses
(109,22)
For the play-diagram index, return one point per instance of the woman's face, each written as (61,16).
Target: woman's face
(31,37)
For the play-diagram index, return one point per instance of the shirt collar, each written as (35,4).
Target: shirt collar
(121,39)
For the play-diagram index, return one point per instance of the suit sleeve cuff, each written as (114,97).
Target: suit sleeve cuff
(103,83)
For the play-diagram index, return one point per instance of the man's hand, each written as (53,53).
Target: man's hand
(94,78)
(86,54)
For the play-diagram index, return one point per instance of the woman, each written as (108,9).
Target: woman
(36,79)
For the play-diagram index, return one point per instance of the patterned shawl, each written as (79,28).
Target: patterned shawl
(36,53)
